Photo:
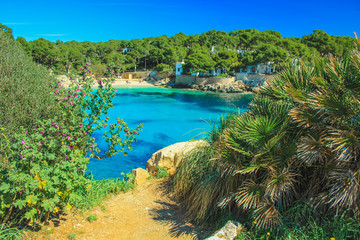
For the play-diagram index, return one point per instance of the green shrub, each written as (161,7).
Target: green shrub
(162,173)
(46,169)
(298,141)
(25,97)
(99,70)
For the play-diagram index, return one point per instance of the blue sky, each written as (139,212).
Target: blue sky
(125,20)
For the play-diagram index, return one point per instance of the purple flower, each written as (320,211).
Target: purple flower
(21,191)
(36,127)
(22,141)
(41,132)
(21,155)
(80,125)
(68,137)
(91,145)
(26,132)
(66,157)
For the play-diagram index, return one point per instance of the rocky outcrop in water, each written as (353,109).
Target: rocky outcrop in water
(234,87)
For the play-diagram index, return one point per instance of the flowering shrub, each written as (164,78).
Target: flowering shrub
(47,167)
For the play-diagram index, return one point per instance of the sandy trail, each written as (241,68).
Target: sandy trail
(146,213)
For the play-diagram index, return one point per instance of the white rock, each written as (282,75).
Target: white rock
(228,232)
(140,175)
(170,156)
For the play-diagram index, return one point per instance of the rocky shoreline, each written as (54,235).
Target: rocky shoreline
(235,87)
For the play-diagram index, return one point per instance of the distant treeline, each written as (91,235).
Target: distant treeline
(201,53)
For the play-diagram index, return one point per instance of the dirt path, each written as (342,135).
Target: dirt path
(146,213)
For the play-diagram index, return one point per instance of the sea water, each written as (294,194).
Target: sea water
(168,116)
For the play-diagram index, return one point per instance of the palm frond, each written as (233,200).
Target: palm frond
(281,187)
(250,195)
(267,216)
(312,149)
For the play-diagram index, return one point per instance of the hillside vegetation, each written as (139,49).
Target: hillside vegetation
(202,52)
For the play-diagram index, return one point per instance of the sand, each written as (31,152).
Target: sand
(148,212)
(121,83)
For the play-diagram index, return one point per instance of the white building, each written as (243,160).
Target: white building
(263,68)
(179,69)
(126,50)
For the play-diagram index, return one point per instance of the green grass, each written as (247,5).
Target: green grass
(7,233)
(72,236)
(99,190)
(304,222)
(162,173)
(91,218)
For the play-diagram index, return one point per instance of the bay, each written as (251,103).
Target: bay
(169,116)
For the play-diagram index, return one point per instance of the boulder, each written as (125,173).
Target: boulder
(228,232)
(170,156)
(141,175)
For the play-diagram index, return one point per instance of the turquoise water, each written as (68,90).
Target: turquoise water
(169,116)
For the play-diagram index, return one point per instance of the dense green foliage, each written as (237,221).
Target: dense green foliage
(298,142)
(303,221)
(24,92)
(224,50)
(47,152)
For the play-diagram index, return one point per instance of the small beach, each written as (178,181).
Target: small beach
(118,83)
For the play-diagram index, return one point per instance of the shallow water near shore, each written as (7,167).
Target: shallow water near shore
(169,116)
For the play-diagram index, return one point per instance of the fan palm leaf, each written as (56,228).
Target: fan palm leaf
(267,215)
(250,195)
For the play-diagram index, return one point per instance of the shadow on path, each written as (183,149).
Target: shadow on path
(170,212)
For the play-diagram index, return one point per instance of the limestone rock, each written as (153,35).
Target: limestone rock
(140,174)
(170,156)
(228,232)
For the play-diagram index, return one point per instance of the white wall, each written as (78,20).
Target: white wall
(179,68)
